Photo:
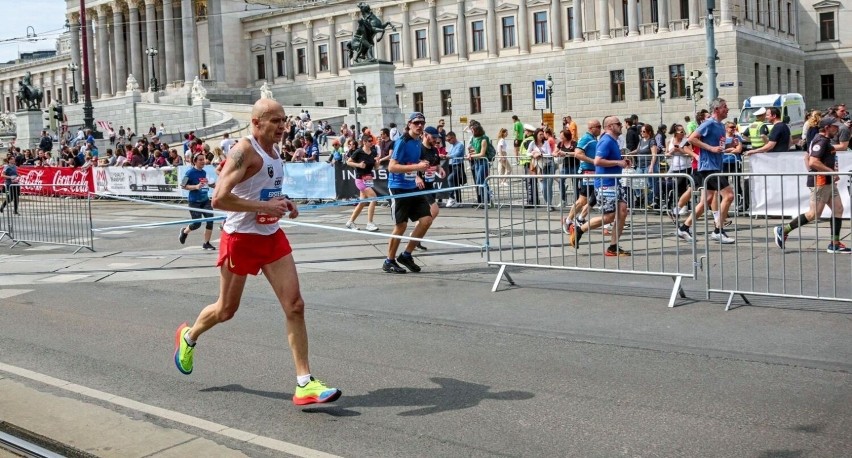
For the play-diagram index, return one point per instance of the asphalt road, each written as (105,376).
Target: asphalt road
(564,364)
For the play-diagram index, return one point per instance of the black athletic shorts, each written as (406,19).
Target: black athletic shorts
(586,187)
(408,208)
(517,143)
(716,183)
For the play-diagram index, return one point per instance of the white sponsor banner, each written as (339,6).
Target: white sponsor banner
(138,181)
(766,195)
(309,180)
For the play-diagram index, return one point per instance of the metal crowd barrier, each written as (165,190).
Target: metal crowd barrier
(756,266)
(530,236)
(45,217)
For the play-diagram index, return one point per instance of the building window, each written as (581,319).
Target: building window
(757,78)
(768,78)
(769,15)
(418,102)
(344,54)
(59,94)
(478,34)
(475,100)
(654,12)
(798,82)
(684,9)
(677,81)
(505,97)
(827,87)
(646,83)
(789,80)
(509,32)
(420,40)
(778,79)
(789,18)
(540,21)
(261,66)
(395,48)
(341,103)
(780,24)
(624,12)
(319,104)
(301,62)
(449,39)
(758,11)
(323,57)
(279,63)
(747,10)
(446,97)
(616,85)
(570,16)
(826,26)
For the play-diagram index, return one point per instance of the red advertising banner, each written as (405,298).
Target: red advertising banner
(58,181)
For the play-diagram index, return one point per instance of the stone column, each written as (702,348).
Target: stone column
(267,41)
(104,79)
(632,19)
(90,49)
(407,60)
(434,36)
(491,28)
(726,13)
(178,24)
(143,34)
(312,65)
(662,16)
(63,73)
(556,24)
(603,19)
(75,49)
(190,50)
(168,54)
(217,40)
(523,28)
(577,21)
(151,37)
(461,35)
(120,56)
(693,14)
(381,47)
(332,46)
(289,72)
(161,51)
(135,43)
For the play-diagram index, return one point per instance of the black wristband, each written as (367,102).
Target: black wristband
(286,196)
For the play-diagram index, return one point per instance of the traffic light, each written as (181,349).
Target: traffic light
(661,89)
(697,91)
(361,94)
(48,117)
(695,74)
(57,113)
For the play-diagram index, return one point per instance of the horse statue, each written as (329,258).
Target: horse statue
(370,31)
(29,96)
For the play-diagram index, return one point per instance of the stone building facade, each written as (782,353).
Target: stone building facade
(474,58)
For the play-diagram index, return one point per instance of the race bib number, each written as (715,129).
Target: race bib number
(429,175)
(410,176)
(588,181)
(263,218)
(368,182)
(203,183)
(608,192)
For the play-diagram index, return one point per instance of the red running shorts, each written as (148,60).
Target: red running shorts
(246,254)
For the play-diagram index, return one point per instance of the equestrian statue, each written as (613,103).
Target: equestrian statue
(370,31)
(29,96)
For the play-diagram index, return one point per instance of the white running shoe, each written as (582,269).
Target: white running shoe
(451,203)
(683,211)
(684,235)
(372,227)
(722,238)
(351,225)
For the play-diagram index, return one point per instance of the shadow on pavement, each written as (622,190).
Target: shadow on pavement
(451,394)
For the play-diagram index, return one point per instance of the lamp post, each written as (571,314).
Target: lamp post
(549,85)
(73,68)
(450,108)
(151,52)
(88,115)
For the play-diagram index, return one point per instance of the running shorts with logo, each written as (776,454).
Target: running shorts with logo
(246,253)
(408,208)
(609,197)
(716,183)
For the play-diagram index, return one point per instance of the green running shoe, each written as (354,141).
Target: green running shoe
(315,392)
(183,352)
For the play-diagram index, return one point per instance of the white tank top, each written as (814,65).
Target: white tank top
(263,185)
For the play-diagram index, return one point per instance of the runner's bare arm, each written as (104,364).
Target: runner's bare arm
(242,163)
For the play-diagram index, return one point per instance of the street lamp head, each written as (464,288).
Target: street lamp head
(549,81)
(73,67)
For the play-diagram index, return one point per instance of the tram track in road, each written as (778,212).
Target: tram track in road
(21,442)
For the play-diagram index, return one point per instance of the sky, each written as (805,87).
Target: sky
(42,15)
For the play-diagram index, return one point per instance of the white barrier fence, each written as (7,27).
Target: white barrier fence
(45,217)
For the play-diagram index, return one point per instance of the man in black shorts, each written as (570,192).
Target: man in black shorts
(404,164)
(426,179)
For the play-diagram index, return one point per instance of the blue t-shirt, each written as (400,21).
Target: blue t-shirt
(193,177)
(711,132)
(589,145)
(312,151)
(607,149)
(406,151)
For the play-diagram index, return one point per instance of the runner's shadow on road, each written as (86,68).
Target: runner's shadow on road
(451,394)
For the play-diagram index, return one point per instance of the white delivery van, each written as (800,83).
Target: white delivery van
(792,108)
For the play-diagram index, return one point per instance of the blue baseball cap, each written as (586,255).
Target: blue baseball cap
(416,116)
(432,131)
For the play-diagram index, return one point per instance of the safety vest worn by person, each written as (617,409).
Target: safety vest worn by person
(754,137)
(525,158)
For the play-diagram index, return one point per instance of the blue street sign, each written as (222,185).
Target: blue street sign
(540,91)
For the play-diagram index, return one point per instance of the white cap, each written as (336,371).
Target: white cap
(760,111)
(529,127)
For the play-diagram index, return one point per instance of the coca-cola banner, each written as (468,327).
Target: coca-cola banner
(59,181)
(137,181)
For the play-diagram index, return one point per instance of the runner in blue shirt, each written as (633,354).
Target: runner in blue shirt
(195,181)
(404,164)
(584,152)
(610,194)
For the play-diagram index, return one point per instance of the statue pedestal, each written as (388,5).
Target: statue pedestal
(28,129)
(381,108)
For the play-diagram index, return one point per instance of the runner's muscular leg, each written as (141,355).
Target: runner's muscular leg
(230,292)
(283,278)
(393,243)
(419,231)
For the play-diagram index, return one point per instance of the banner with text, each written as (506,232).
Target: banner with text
(138,181)
(309,180)
(59,181)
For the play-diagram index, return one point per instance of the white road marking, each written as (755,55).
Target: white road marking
(44,248)
(64,278)
(195,422)
(116,232)
(7,293)
(122,265)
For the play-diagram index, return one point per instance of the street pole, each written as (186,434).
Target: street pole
(709,28)
(88,115)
